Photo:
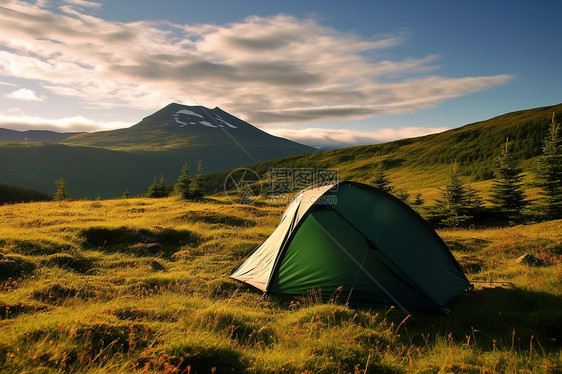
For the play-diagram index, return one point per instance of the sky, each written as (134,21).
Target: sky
(324,73)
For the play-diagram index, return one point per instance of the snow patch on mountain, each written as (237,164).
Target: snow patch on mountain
(186,117)
(223,122)
(208,124)
(189,113)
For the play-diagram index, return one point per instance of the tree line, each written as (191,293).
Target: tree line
(460,205)
(15,194)
(186,187)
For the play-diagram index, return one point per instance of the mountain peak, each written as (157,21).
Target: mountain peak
(194,117)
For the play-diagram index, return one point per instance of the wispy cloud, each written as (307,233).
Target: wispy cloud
(84,3)
(277,69)
(327,138)
(24,94)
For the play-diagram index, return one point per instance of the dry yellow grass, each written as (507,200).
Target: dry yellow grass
(89,299)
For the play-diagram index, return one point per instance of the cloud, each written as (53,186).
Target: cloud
(84,3)
(24,94)
(68,124)
(328,138)
(277,69)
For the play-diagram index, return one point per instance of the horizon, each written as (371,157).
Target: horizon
(366,73)
(317,148)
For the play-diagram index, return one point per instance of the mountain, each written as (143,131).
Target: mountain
(424,162)
(178,126)
(105,163)
(7,135)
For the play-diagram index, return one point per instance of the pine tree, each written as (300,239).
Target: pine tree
(183,184)
(153,189)
(162,188)
(126,194)
(158,189)
(61,193)
(454,208)
(507,193)
(418,201)
(381,181)
(549,173)
(198,184)
(402,194)
(473,200)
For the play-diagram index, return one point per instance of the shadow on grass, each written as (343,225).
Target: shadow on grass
(33,247)
(467,245)
(514,318)
(8,311)
(67,261)
(57,294)
(142,242)
(216,218)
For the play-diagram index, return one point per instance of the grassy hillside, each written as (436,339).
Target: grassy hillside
(421,164)
(16,194)
(91,171)
(87,297)
(105,163)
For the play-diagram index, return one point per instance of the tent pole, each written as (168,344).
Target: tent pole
(357,275)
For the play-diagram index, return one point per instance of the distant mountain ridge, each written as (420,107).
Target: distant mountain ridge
(7,135)
(104,163)
(177,126)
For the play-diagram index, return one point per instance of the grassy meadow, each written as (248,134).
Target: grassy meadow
(96,295)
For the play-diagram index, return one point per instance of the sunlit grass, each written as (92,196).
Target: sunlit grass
(86,302)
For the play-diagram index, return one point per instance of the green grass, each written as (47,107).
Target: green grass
(422,164)
(87,299)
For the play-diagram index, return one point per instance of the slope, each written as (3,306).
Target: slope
(15,194)
(423,162)
(178,126)
(7,135)
(105,163)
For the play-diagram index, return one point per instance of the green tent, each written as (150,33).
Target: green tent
(360,242)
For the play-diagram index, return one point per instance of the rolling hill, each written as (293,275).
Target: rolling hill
(423,162)
(14,194)
(7,135)
(105,163)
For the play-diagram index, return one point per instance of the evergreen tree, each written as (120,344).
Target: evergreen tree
(456,206)
(549,173)
(158,189)
(183,184)
(418,201)
(162,188)
(153,189)
(61,193)
(126,194)
(473,200)
(198,184)
(507,193)
(402,194)
(380,180)
(15,194)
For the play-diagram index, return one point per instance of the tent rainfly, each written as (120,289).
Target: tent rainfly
(357,240)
